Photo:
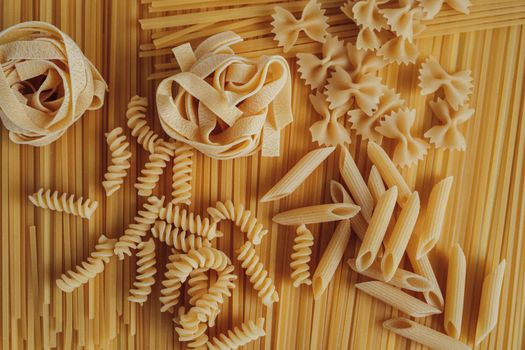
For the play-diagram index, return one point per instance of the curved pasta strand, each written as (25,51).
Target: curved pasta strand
(136,115)
(248,331)
(177,238)
(189,222)
(301,256)
(197,285)
(154,167)
(63,203)
(170,293)
(146,271)
(204,257)
(120,155)
(182,168)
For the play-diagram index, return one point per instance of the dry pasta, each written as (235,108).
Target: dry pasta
(455,294)
(157,161)
(328,131)
(177,238)
(375,184)
(363,61)
(187,221)
(182,169)
(171,291)
(136,115)
(120,155)
(403,20)
(340,195)
(64,203)
(317,214)
(301,256)
(197,285)
(146,271)
(367,14)
(399,50)
(248,331)
(204,257)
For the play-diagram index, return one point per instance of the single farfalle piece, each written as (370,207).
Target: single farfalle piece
(328,131)
(342,89)
(398,125)
(399,50)
(365,125)
(367,14)
(447,135)
(370,39)
(314,70)
(404,21)
(363,61)
(287,28)
(456,86)
(432,7)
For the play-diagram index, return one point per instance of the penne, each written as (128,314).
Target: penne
(340,195)
(297,174)
(455,294)
(355,183)
(398,299)
(423,335)
(331,258)
(402,278)
(388,171)
(397,242)
(317,214)
(489,303)
(376,186)
(376,229)
(434,217)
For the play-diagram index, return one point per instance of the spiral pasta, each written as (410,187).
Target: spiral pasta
(87,270)
(136,115)
(181,180)
(248,331)
(204,257)
(250,261)
(170,293)
(64,203)
(301,256)
(146,271)
(174,214)
(244,219)
(120,155)
(138,229)
(178,238)
(192,331)
(157,161)
(197,285)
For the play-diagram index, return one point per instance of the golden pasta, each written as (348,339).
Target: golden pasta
(64,203)
(177,238)
(188,221)
(248,331)
(301,256)
(375,184)
(455,294)
(136,115)
(340,195)
(120,155)
(182,173)
(146,271)
(157,161)
(317,214)
(328,131)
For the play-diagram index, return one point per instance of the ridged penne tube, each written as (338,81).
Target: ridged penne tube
(340,195)
(402,278)
(376,229)
(317,214)
(376,186)
(331,258)
(398,299)
(434,216)
(297,174)
(388,171)
(455,295)
(397,242)
(355,183)
(489,303)
(423,335)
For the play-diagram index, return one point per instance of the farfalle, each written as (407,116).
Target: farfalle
(366,13)
(398,125)
(369,39)
(328,131)
(363,61)
(314,70)
(365,125)
(287,28)
(432,7)
(456,86)
(399,50)
(404,21)
(447,135)
(342,89)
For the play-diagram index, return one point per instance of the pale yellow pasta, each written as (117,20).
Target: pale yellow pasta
(423,335)
(489,302)
(339,195)
(376,229)
(366,13)
(397,299)
(248,332)
(297,174)
(120,155)
(189,222)
(64,203)
(331,258)
(455,294)
(177,238)
(136,115)
(154,167)
(375,184)
(397,242)
(182,169)
(328,131)
(399,50)
(372,40)
(363,61)
(301,256)
(432,7)
(403,19)
(355,183)
(171,291)
(316,214)
(146,271)
(197,285)
(402,278)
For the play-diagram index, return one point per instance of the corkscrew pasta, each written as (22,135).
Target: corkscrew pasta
(120,155)
(248,331)
(197,285)
(63,203)
(177,238)
(136,115)
(301,256)
(182,168)
(170,293)
(157,161)
(146,271)
(188,221)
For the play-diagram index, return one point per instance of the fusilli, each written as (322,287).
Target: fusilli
(181,180)
(157,161)
(248,331)
(178,238)
(63,203)
(136,115)
(197,285)
(179,217)
(301,256)
(145,272)
(170,294)
(117,171)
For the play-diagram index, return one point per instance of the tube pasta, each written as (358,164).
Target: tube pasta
(64,203)
(423,335)
(376,229)
(177,238)
(297,174)
(340,195)
(489,302)
(181,180)
(146,271)
(317,214)
(397,299)
(248,331)
(397,242)
(455,294)
(301,256)
(157,161)
(375,184)
(120,155)
(136,115)
(187,221)
(331,258)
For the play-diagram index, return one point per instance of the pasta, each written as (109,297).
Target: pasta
(456,86)
(402,20)
(182,168)
(46,83)
(362,61)
(64,203)
(367,14)
(434,216)
(316,214)
(136,115)
(397,299)
(258,275)
(455,294)
(339,195)
(301,256)
(143,221)
(187,221)
(170,293)
(197,285)
(204,257)
(177,238)
(328,131)
(244,219)
(399,50)
(402,278)
(87,270)
(376,229)
(432,7)
(371,40)
(192,331)
(120,155)
(489,303)
(423,335)
(146,271)
(287,28)
(297,174)
(236,338)
(331,258)
(163,152)
(375,184)
(397,242)
(398,125)
(355,183)
(447,135)
(388,171)
(209,303)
